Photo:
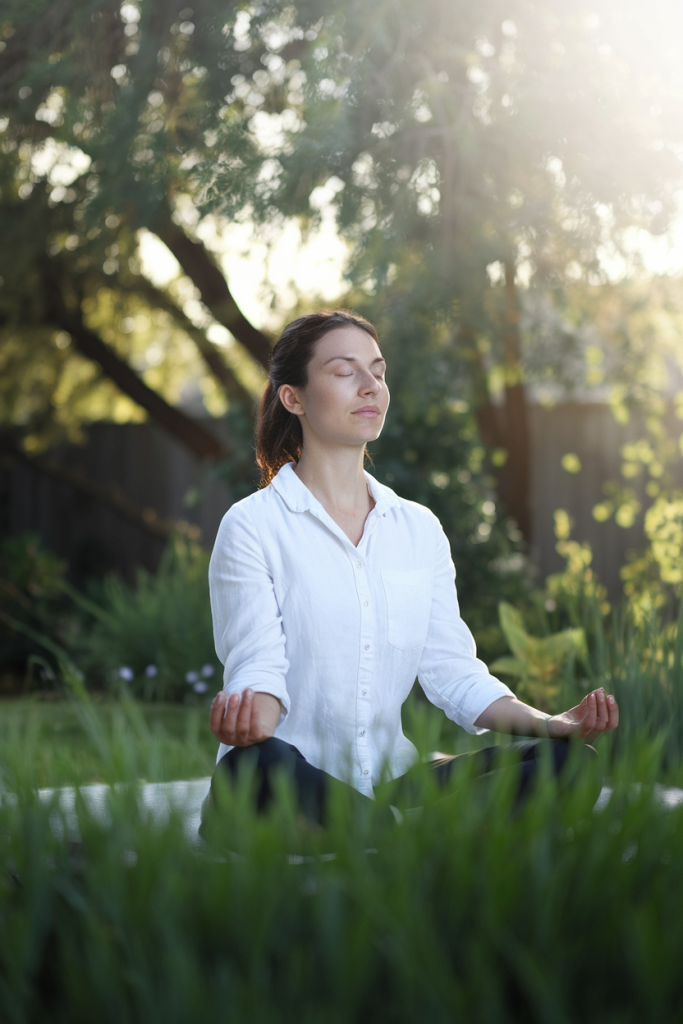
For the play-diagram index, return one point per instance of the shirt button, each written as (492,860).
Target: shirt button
(364,692)
(366,603)
(366,772)
(362,732)
(359,564)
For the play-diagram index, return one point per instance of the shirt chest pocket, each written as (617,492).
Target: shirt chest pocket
(409,598)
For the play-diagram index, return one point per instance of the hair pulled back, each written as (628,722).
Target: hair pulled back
(279,438)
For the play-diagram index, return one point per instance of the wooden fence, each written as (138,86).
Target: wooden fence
(590,432)
(85,503)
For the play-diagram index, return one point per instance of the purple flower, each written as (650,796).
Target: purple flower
(200,687)
(207,671)
(126,673)
(191,677)
(151,671)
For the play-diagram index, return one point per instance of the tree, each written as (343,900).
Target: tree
(99,106)
(472,151)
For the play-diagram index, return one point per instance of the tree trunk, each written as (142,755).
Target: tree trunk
(200,267)
(506,426)
(516,473)
(200,441)
(211,354)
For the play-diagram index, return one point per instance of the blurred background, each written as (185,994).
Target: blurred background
(496,185)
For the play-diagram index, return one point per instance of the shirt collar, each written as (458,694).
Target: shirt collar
(298,498)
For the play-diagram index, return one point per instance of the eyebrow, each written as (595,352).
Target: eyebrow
(353,359)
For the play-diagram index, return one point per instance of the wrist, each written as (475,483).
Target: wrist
(545,726)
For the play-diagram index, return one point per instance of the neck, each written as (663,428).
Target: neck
(335,477)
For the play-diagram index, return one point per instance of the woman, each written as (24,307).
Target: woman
(330,594)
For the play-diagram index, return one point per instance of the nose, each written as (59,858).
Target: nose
(369,384)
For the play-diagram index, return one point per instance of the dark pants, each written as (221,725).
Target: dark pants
(312,786)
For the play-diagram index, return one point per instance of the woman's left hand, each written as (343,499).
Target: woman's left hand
(596,714)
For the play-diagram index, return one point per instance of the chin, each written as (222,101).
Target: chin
(370,431)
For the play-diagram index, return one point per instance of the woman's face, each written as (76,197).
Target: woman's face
(346,398)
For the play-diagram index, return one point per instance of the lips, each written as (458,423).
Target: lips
(367,410)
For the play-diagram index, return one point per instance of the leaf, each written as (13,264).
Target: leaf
(511,666)
(512,624)
(561,645)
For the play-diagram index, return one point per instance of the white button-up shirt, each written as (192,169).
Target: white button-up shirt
(339,633)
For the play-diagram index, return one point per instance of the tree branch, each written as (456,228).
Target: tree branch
(200,441)
(201,268)
(160,299)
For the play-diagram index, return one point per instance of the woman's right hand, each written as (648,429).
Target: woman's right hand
(250,718)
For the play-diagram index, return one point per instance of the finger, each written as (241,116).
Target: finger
(256,731)
(216,713)
(230,709)
(613,712)
(588,724)
(603,713)
(243,722)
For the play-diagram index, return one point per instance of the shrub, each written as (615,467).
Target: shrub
(33,613)
(155,639)
(537,662)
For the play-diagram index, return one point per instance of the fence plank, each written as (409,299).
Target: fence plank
(155,472)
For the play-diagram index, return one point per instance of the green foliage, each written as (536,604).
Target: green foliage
(575,594)
(468,912)
(465,911)
(452,138)
(664,529)
(537,662)
(33,614)
(155,639)
(652,577)
(436,116)
(66,742)
(640,660)
(107,102)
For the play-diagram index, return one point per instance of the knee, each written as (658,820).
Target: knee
(573,757)
(264,755)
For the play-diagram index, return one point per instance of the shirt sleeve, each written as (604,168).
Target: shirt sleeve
(451,675)
(247,623)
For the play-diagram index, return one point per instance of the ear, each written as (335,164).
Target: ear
(289,396)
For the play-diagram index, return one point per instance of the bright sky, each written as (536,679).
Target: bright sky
(660,255)
(284,266)
(260,267)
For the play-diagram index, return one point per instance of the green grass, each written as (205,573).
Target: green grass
(470,913)
(65,742)
(62,742)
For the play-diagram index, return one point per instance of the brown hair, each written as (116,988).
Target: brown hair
(279,438)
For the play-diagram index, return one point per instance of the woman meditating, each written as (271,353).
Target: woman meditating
(330,595)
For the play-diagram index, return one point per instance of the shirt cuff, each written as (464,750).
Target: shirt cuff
(274,686)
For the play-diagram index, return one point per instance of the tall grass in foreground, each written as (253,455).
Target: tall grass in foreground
(642,664)
(470,911)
